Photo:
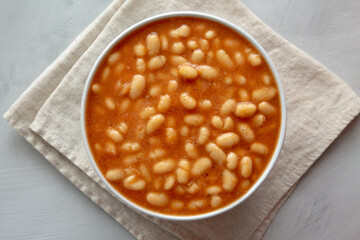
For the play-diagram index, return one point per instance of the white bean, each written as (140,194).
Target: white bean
(215,201)
(259,148)
(184,164)
(246,132)
(155,91)
(209,57)
(245,109)
(125,89)
(193,188)
(224,59)
(169,182)
(113,58)
(140,50)
(227,107)
(118,85)
(172,86)
(264,94)
(97,147)
(228,124)
(192,44)
(190,150)
(231,43)
(204,134)
(178,48)
(187,101)
(110,104)
(239,59)
(266,79)
(164,166)
(246,167)
(140,65)
(156,62)
(110,148)
(174,72)
(164,103)
(210,34)
(177,60)
(133,183)
(182,173)
(130,170)
(229,180)
(140,131)
(171,122)
(153,44)
(205,104)
(157,153)
(207,72)
(200,166)
(217,122)
(182,31)
(216,153)
(266,108)
(115,174)
(171,136)
(188,72)
(164,42)
(204,44)
(147,112)
(197,56)
(194,119)
(245,184)
(240,80)
(257,162)
(130,147)
(196,204)
(105,74)
(130,160)
(254,59)
(184,131)
(258,120)
(123,127)
(244,95)
(213,190)
(157,199)
(154,123)
(217,43)
(114,135)
(145,172)
(137,86)
(176,204)
(157,184)
(96,88)
(231,161)
(119,68)
(228,80)
(180,190)
(227,140)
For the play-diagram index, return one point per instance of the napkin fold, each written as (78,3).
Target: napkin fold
(319,107)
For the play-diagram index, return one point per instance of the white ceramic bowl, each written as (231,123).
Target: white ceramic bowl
(282,101)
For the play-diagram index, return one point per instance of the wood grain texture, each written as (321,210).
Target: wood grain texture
(37,202)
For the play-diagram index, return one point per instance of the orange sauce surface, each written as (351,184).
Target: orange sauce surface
(112,80)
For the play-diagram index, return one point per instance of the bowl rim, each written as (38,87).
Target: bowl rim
(281,135)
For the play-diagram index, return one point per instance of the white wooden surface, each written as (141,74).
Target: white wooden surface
(37,202)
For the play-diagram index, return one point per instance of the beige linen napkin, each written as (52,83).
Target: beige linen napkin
(319,106)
